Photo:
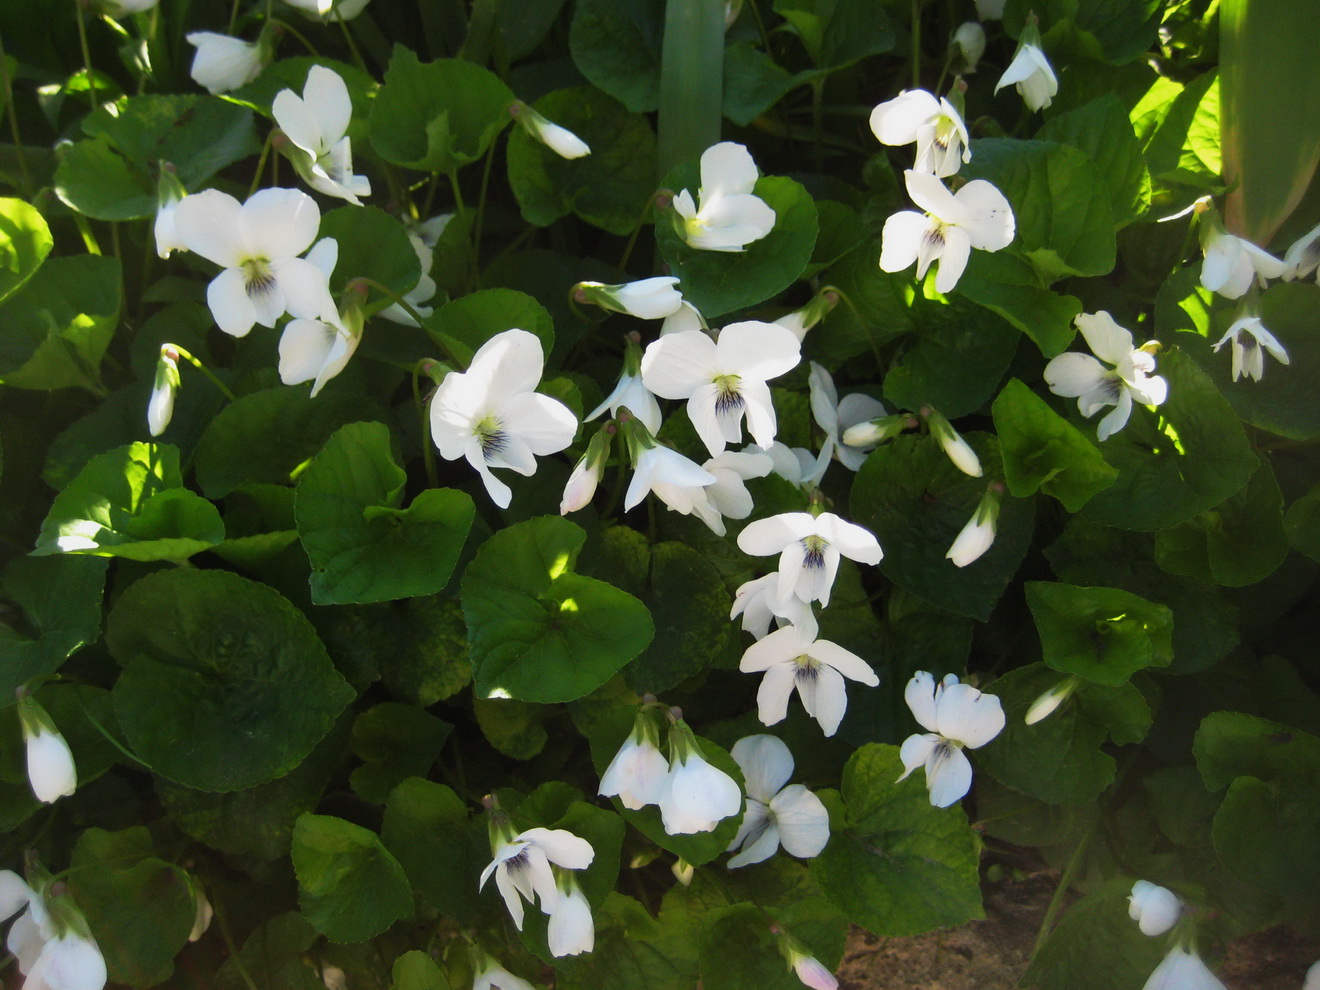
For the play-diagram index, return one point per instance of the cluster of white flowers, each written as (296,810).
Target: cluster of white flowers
(951,224)
(539,863)
(50,939)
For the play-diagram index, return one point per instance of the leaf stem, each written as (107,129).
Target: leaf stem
(12,113)
(86,54)
(1061,891)
(428,448)
(196,363)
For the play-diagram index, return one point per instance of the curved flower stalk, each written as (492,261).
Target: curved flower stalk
(160,408)
(50,767)
(1232,264)
(317,350)
(560,140)
(316,124)
(522,867)
(636,775)
(588,471)
(935,125)
(1155,909)
(792,659)
(1250,342)
(257,243)
(835,417)
(723,380)
(646,299)
(1030,71)
(1081,376)
(958,716)
(976,216)
(424,291)
(775,815)
(696,796)
(758,602)
(492,416)
(727,216)
(809,549)
(223,63)
(979,534)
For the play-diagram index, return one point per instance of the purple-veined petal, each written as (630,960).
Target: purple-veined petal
(228,299)
(824,696)
(948,775)
(953,259)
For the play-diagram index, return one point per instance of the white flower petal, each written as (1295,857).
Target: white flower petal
(727,169)
(948,775)
(965,714)
(774,691)
(804,822)
(916,750)
(766,764)
(896,121)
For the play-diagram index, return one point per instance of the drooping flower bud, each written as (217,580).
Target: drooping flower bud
(1049,701)
(958,449)
(50,767)
(560,140)
(979,533)
(160,409)
(588,472)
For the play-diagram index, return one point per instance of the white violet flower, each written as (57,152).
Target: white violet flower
(316,123)
(775,815)
(727,216)
(636,775)
(793,659)
(686,317)
(522,867)
(728,497)
(1049,700)
(1303,257)
(496,977)
(976,216)
(317,350)
(1182,969)
(811,971)
(1233,263)
(758,602)
(809,548)
(570,931)
(257,243)
(979,534)
(835,418)
(1030,72)
(492,415)
(1250,341)
(969,42)
(676,480)
(560,140)
(935,126)
(329,10)
(169,192)
(50,767)
(696,796)
(958,716)
(723,380)
(51,941)
(223,63)
(1155,909)
(646,299)
(1094,386)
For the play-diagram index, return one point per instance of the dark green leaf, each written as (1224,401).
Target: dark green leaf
(129,502)
(609,187)
(426,828)
(415,970)
(363,546)
(225,684)
(1102,634)
(753,83)
(910,495)
(56,328)
(374,245)
(515,728)
(394,742)
(1043,451)
(1096,946)
(1009,286)
(616,45)
(837,33)
(349,887)
(60,602)
(437,116)
(1101,130)
(463,325)
(536,630)
(954,365)
(898,866)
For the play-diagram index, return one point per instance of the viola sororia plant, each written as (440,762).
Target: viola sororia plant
(611,493)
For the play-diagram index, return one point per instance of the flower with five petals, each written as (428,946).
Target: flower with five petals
(1233,263)
(809,548)
(935,126)
(726,216)
(316,124)
(636,775)
(492,415)
(257,243)
(522,867)
(775,815)
(758,601)
(793,658)
(958,716)
(1250,341)
(723,380)
(976,216)
(1031,72)
(1081,376)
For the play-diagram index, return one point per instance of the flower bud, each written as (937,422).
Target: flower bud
(979,534)
(1044,706)
(874,431)
(968,45)
(50,767)
(958,449)
(169,191)
(588,472)
(810,970)
(647,299)
(160,409)
(560,140)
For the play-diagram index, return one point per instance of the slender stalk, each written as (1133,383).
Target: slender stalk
(234,954)
(428,448)
(916,44)
(637,229)
(85,231)
(86,54)
(261,164)
(479,222)
(196,363)
(233,18)
(394,297)
(12,113)
(1061,891)
(110,738)
(352,45)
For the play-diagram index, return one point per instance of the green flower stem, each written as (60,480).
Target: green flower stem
(86,54)
(196,363)
(479,222)
(1061,891)
(916,44)
(85,231)
(223,924)
(112,740)
(691,74)
(637,229)
(6,84)
(428,448)
(233,17)
(352,45)
(261,165)
(302,38)
(394,297)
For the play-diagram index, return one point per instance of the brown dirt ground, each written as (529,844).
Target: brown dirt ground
(992,954)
